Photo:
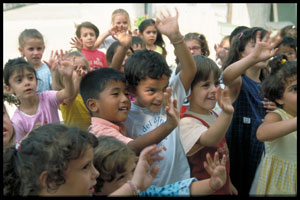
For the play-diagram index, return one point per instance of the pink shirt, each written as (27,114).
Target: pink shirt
(47,112)
(96,58)
(102,127)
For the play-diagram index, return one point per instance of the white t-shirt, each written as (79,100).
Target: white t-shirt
(174,167)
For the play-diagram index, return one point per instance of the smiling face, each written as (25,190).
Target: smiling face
(150,93)
(88,37)
(203,95)
(121,179)
(121,20)
(23,83)
(80,176)
(113,103)
(33,50)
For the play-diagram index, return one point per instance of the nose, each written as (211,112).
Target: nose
(159,96)
(95,173)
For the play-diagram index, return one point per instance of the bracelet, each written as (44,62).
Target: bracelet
(211,186)
(135,190)
(178,42)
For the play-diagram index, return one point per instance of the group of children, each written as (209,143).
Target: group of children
(128,103)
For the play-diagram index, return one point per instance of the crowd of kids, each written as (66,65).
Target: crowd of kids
(130,126)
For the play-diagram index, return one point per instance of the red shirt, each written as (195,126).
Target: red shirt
(96,58)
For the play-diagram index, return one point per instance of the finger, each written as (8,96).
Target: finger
(258,34)
(209,159)
(224,159)
(267,37)
(216,158)
(154,171)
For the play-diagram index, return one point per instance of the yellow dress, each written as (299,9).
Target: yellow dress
(76,114)
(278,173)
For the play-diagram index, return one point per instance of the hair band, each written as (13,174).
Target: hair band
(241,35)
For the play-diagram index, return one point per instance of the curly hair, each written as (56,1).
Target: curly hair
(145,63)
(282,73)
(200,38)
(48,148)
(110,158)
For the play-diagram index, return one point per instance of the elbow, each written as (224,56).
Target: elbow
(259,135)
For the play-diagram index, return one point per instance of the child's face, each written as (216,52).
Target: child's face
(150,93)
(121,21)
(289,98)
(23,84)
(8,129)
(33,51)
(88,37)
(120,179)
(80,176)
(203,95)
(82,64)
(113,103)
(194,47)
(288,51)
(149,35)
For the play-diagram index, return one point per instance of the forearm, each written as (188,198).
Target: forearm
(101,39)
(68,91)
(271,131)
(201,188)
(119,56)
(124,190)
(150,138)
(217,131)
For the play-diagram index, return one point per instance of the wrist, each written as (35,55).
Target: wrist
(211,187)
(133,188)
(177,40)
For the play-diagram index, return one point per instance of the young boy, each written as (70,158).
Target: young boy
(105,95)
(288,47)
(87,34)
(147,74)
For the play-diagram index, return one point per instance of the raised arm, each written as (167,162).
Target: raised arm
(168,26)
(102,37)
(52,65)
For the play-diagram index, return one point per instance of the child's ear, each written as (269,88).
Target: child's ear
(7,89)
(92,105)
(43,178)
(21,51)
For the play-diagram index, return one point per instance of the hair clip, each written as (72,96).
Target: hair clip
(283,61)
(241,35)
(18,146)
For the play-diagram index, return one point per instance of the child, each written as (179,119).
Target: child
(222,50)
(34,109)
(104,93)
(289,31)
(87,34)
(73,110)
(197,44)
(147,74)
(247,56)
(152,37)
(9,135)
(201,130)
(116,163)
(31,47)
(288,47)
(278,173)
(55,160)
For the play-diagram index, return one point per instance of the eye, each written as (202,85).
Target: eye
(294,89)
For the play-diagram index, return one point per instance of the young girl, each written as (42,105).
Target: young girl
(197,44)
(55,160)
(247,56)
(278,172)
(9,135)
(73,110)
(116,163)
(152,37)
(201,130)
(34,109)
(31,47)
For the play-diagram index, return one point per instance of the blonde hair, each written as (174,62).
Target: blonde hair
(120,11)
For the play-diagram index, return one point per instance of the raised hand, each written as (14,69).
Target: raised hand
(224,100)
(264,48)
(76,43)
(65,64)
(171,108)
(53,61)
(217,170)
(168,25)
(123,36)
(143,176)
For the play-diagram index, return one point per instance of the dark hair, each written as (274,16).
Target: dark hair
(282,71)
(200,38)
(110,158)
(48,148)
(159,40)
(136,40)
(17,64)
(237,31)
(29,33)
(94,82)
(145,63)
(86,25)
(239,43)
(288,41)
(289,31)
(111,51)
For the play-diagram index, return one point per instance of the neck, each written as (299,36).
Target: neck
(37,66)
(253,73)
(151,47)
(29,105)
